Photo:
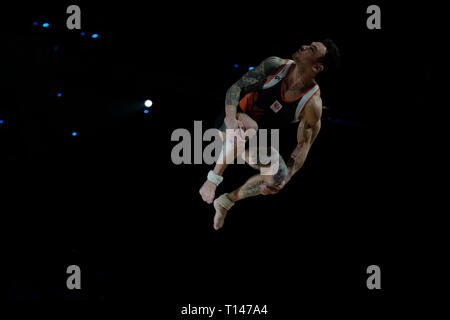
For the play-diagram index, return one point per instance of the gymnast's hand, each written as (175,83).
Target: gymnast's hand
(238,128)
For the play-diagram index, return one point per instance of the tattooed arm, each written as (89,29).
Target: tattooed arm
(308,129)
(252,80)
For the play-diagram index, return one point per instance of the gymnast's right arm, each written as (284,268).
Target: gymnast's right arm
(252,80)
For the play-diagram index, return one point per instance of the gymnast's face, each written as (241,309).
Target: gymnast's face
(308,55)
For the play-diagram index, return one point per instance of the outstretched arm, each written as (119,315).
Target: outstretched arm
(252,80)
(308,129)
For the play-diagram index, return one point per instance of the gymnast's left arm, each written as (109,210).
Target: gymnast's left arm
(307,131)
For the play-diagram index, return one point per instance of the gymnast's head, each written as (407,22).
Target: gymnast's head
(317,57)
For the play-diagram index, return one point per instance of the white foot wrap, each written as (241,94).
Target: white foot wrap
(224,202)
(214,178)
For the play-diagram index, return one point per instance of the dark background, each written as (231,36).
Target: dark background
(111,201)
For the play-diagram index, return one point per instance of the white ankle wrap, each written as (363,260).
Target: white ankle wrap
(224,202)
(214,178)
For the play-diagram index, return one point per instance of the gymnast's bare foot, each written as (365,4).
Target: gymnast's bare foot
(208,191)
(221,213)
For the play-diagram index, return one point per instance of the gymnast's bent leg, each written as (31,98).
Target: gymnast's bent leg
(270,176)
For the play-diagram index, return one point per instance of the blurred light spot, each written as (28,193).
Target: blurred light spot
(95,35)
(251,68)
(45,25)
(74,133)
(148,103)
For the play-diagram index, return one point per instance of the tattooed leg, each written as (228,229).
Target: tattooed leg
(252,187)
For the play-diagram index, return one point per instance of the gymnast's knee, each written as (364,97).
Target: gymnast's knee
(279,177)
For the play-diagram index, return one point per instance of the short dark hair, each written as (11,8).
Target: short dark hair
(332,59)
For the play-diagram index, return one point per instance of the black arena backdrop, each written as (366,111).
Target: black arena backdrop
(110,200)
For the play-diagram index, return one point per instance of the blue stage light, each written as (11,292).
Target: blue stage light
(95,35)
(46,25)
(35,23)
(145,111)
(251,68)
(82,33)
(74,133)
(1,121)
(236,66)
(59,94)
